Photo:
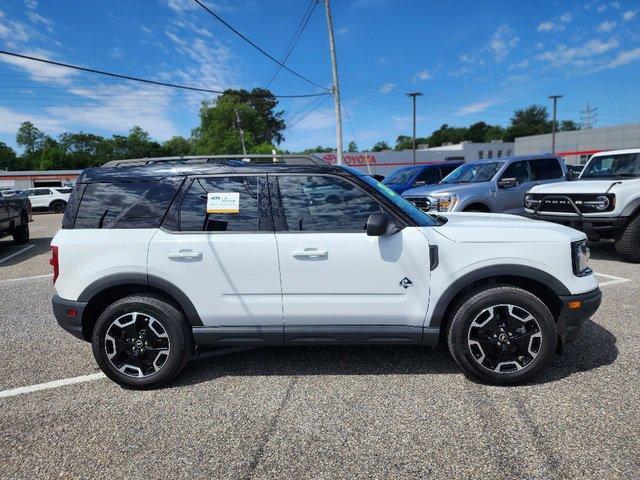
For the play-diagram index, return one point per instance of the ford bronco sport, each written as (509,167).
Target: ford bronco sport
(604,203)
(159,256)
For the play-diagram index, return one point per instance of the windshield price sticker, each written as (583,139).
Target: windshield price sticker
(386,189)
(223,202)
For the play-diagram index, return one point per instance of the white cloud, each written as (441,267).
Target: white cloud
(555,25)
(503,41)
(117,54)
(519,65)
(578,56)
(607,26)
(36,18)
(566,17)
(624,58)
(342,31)
(10,121)
(629,15)
(422,75)
(316,120)
(31,4)
(40,72)
(475,107)
(387,87)
(601,8)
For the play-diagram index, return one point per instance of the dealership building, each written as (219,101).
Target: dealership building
(21,180)
(577,146)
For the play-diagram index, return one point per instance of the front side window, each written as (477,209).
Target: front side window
(519,171)
(625,165)
(222,204)
(546,169)
(318,203)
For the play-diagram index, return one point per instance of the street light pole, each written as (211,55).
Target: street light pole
(336,86)
(413,95)
(553,125)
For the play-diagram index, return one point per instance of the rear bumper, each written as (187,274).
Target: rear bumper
(594,227)
(571,319)
(69,315)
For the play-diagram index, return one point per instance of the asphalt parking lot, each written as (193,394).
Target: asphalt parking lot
(339,412)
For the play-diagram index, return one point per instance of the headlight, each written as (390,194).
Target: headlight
(444,202)
(601,203)
(580,256)
(529,202)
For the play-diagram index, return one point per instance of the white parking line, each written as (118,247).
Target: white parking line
(49,385)
(16,253)
(614,280)
(11,280)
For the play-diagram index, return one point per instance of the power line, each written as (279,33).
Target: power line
(588,117)
(308,113)
(139,79)
(261,50)
(296,36)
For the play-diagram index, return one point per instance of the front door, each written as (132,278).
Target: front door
(511,200)
(338,284)
(223,257)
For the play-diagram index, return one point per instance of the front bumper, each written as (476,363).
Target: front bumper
(576,309)
(594,227)
(69,315)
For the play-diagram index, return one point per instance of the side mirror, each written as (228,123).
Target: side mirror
(380,224)
(507,182)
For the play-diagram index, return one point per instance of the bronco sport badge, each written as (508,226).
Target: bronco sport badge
(405,283)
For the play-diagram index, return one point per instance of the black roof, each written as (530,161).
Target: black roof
(161,169)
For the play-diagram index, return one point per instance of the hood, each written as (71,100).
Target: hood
(500,228)
(445,187)
(586,186)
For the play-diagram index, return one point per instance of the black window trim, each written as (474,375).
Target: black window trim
(184,190)
(386,206)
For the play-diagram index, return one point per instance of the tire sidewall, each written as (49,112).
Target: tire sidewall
(165,315)
(470,309)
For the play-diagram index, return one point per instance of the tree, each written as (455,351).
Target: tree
(403,142)
(176,146)
(8,158)
(380,146)
(532,120)
(82,149)
(29,137)
(318,149)
(353,147)
(568,125)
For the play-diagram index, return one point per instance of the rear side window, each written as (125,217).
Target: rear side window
(546,169)
(123,204)
(240,210)
(447,170)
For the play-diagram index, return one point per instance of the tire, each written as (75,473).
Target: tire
(162,341)
(21,233)
(58,206)
(475,332)
(628,244)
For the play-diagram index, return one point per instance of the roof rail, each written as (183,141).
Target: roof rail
(288,159)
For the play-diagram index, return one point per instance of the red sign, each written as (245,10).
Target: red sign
(353,160)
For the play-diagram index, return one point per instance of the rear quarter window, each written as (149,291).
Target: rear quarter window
(546,169)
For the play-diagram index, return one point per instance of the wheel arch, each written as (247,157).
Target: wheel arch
(107,290)
(482,206)
(540,283)
(632,209)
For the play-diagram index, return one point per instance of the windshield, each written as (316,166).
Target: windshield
(417,215)
(403,176)
(625,165)
(473,172)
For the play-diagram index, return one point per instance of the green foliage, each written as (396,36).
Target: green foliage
(8,158)
(568,125)
(353,147)
(177,146)
(380,146)
(318,149)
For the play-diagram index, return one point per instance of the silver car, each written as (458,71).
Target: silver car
(497,185)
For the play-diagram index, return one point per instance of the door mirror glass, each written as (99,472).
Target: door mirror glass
(507,183)
(380,224)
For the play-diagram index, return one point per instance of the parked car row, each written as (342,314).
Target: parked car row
(53,199)
(15,215)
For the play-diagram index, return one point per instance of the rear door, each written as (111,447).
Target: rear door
(222,255)
(338,284)
(511,200)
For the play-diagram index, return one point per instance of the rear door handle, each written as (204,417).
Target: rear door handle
(185,255)
(311,253)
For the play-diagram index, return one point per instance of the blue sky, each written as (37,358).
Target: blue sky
(473,61)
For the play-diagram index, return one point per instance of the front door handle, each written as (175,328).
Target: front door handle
(311,253)
(185,255)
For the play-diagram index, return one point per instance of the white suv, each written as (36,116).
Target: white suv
(54,199)
(603,203)
(154,260)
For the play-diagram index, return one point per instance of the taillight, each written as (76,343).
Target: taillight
(54,262)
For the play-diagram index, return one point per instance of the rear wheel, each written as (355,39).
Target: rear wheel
(503,335)
(628,244)
(58,206)
(141,341)
(21,233)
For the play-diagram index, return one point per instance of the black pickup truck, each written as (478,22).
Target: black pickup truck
(15,215)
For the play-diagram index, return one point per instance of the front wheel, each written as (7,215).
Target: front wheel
(141,341)
(503,335)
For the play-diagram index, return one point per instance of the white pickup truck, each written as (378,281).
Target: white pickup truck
(604,203)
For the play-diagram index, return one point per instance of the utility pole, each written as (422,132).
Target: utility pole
(553,125)
(244,150)
(588,117)
(413,95)
(336,87)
